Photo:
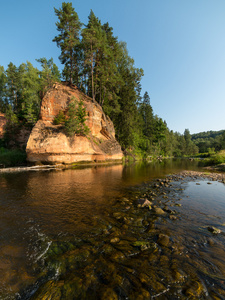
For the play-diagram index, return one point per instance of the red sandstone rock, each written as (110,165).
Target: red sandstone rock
(48,142)
(2,124)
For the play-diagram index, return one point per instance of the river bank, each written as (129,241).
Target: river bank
(150,244)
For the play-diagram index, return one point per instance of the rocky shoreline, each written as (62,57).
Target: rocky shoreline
(131,253)
(196,175)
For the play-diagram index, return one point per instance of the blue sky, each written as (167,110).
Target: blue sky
(180,44)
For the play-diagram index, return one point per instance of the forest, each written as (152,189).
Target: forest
(210,141)
(99,65)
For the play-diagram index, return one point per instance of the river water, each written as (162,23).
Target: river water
(79,234)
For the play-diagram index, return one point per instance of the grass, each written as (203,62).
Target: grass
(12,158)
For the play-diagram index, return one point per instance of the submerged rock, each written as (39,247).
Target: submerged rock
(213,229)
(163,240)
(158,211)
(144,202)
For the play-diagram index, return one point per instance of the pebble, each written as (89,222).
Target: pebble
(159,211)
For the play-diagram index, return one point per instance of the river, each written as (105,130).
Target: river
(82,234)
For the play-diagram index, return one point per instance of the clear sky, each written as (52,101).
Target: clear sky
(180,45)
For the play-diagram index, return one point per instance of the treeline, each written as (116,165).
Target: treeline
(100,66)
(21,90)
(209,141)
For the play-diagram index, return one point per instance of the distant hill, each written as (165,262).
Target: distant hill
(207,134)
(209,140)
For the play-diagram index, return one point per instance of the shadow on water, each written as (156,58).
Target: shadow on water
(79,234)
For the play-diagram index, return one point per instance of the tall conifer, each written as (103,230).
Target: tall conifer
(68,40)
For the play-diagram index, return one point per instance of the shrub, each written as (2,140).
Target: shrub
(60,118)
(10,158)
(216,159)
(76,117)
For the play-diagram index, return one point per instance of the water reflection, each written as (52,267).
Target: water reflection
(58,201)
(37,208)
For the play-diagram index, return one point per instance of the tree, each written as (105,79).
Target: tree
(222,141)
(29,88)
(92,36)
(190,147)
(49,73)
(146,112)
(127,121)
(68,39)
(110,77)
(76,117)
(12,85)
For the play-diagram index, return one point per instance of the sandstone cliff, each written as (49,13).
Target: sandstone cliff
(3,122)
(49,143)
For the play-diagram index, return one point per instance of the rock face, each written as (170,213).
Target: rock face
(3,122)
(48,143)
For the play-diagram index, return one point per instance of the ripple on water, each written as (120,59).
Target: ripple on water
(89,245)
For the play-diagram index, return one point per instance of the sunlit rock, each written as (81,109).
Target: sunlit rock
(49,143)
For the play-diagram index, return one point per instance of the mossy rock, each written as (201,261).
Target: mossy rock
(144,245)
(163,240)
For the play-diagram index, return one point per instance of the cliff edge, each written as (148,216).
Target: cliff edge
(48,143)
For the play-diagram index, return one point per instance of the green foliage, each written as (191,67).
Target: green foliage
(68,41)
(9,158)
(12,120)
(76,117)
(101,67)
(20,92)
(216,159)
(209,140)
(49,73)
(60,118)
(21,89)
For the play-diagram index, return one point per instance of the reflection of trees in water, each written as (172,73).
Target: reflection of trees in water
(63,199)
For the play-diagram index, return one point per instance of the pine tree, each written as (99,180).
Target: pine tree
(68,39)
(76,117)
(12,85)
(49,73)
(111,78)
(147,116)
(92,36)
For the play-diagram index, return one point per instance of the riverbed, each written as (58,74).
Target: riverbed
(144,231)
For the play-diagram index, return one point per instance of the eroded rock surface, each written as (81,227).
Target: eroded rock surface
(3,122)
(49,143)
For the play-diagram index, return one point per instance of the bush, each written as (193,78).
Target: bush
(75,123)
(60,118)
(216,159)
(11,158)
